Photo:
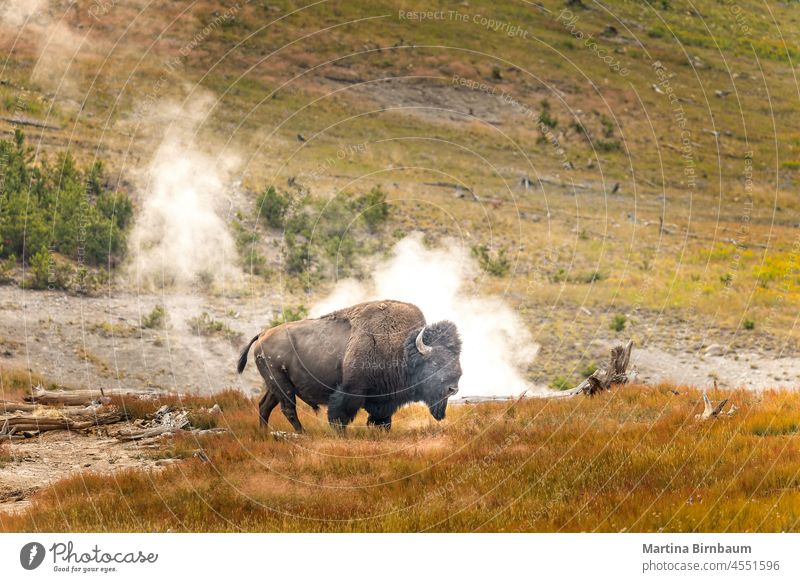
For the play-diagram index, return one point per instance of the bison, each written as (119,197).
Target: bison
(378,355)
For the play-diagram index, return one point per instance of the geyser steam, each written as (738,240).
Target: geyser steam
(497,347)
(180,233)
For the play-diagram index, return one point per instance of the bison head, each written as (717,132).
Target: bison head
(433,353)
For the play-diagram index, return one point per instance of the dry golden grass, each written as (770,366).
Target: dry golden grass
(635,459)
(17,382)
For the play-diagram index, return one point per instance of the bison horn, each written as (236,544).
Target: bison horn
(423,349)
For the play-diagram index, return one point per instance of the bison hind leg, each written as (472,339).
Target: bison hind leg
(268,402)
(289,409)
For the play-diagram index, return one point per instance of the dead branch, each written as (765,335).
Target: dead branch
(166,420)
(147,433)
(616,372)
(714,409)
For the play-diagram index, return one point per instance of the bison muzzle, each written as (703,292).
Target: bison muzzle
(378,355)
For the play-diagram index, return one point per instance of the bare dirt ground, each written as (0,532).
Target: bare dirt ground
(52,456)
(99,341)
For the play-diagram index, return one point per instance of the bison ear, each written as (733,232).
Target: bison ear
(421,347)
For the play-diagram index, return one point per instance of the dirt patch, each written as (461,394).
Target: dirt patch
(41,461)
(732,370)
(100,342)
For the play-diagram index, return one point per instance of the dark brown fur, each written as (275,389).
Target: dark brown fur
(356,357)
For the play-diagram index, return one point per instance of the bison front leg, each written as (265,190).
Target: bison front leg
(343,407)
(380,422)
(380,413)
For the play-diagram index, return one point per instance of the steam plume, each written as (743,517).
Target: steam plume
(180,233)
(56,42)
(496,344)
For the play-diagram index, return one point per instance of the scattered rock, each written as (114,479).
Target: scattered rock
(716,350)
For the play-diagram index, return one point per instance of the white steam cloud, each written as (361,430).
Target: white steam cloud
(497,347)
(180,233)
(56,42)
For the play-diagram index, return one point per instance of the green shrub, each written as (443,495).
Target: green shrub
(373,207)
(40,264)
(272,206)
(749,324)
(205,325)
(157,318)
(545,118)
(297,256)
(606,146)
(618,323)
(560,382)
(499,265)
(589,370)
(60,208)
(290,314)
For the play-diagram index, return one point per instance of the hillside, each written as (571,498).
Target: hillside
(632,160)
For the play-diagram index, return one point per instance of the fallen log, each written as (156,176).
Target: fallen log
(76,397)
(616,372)
(16,424)
(7,406)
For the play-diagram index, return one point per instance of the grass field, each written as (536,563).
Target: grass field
(634,459)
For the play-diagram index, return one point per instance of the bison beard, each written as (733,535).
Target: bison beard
(377,355)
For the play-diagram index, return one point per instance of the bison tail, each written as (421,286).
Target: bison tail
(243,355)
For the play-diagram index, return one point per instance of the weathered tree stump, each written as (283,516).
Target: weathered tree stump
(616,372)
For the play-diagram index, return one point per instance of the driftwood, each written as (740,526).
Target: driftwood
(714,409)
(166,420)
(7,406)
(33,423)
(147,433)
(76,397)
(616,372)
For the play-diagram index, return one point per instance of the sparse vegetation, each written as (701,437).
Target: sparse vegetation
(618,323)
(156,319)
(589,370)
(560,382)
(545,115)
(496,263)
(272,206)
(373,207)
(289,313)
(205,325)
